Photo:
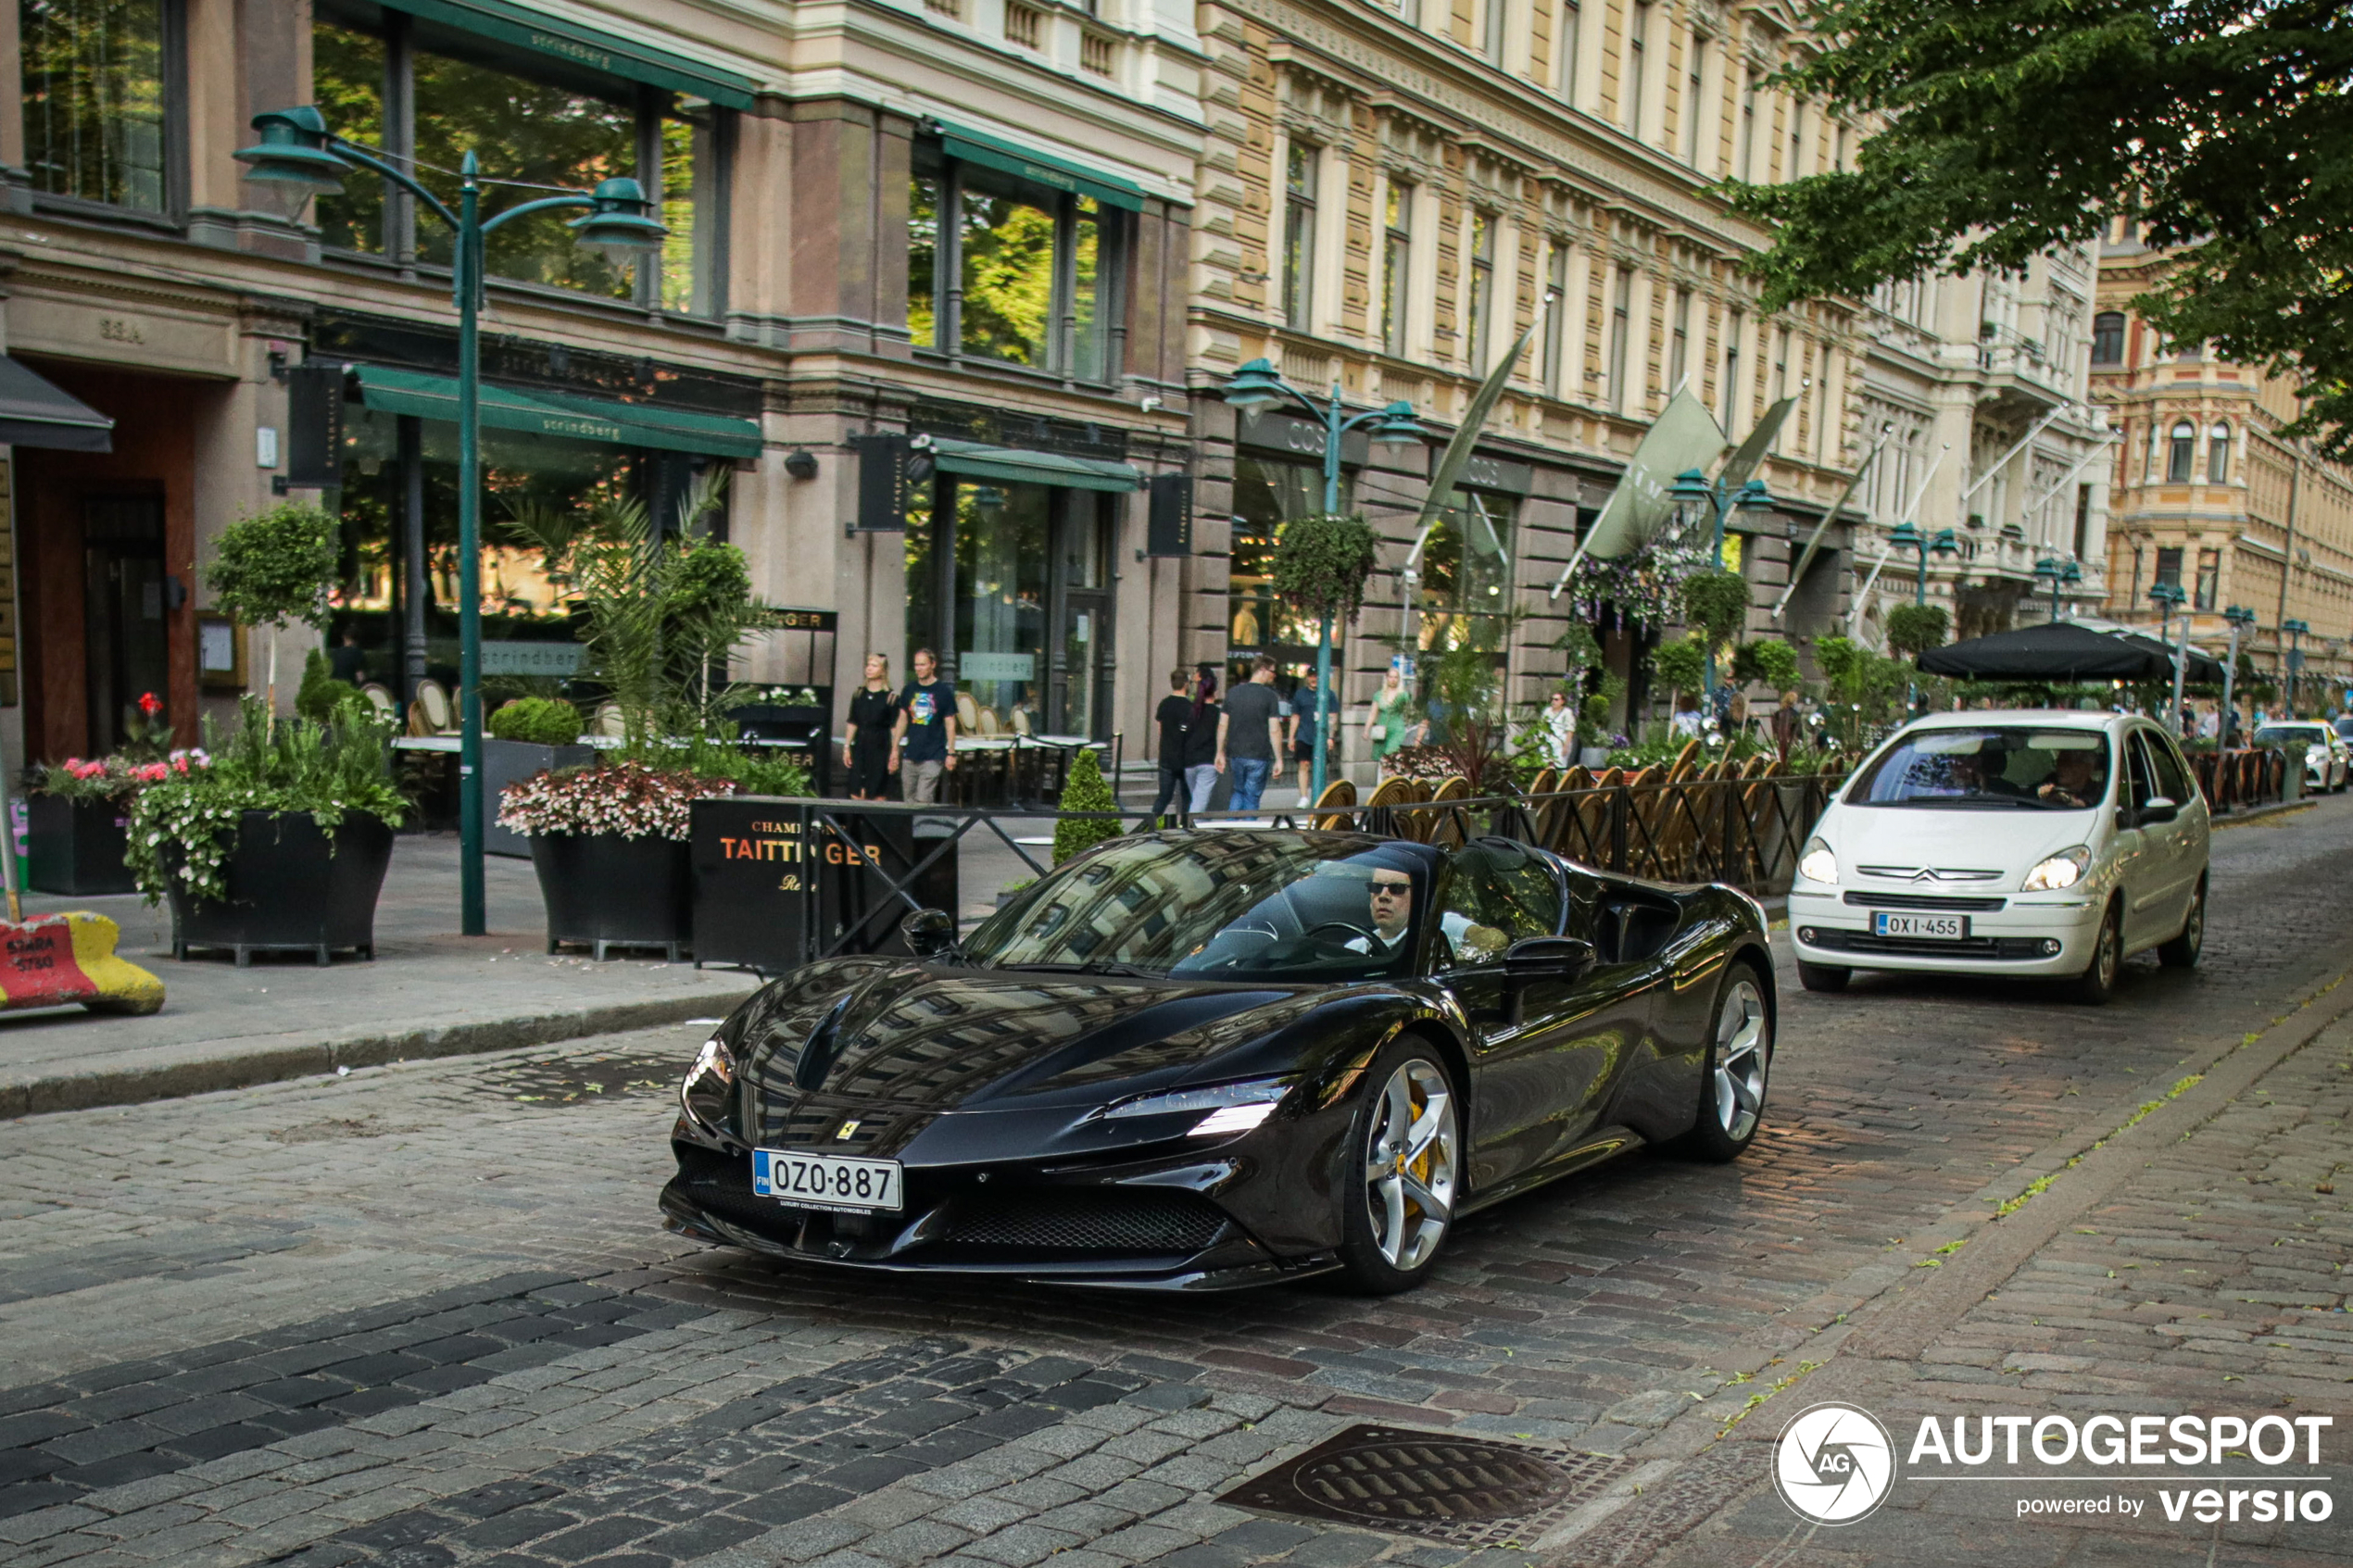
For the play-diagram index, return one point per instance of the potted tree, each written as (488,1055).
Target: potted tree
(275,569)
(660,613)
(528,737)
(280,844)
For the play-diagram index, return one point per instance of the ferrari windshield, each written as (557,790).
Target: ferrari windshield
(1996,767)
(1217,905)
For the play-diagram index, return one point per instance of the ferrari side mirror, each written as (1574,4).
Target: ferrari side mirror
(1548,958)
(928,932)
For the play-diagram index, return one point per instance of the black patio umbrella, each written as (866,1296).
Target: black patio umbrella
(2062,650)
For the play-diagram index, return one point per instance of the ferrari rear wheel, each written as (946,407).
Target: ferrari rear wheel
(1740,1057)
(1406,1149)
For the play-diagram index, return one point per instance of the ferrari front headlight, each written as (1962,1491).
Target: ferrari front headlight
(709,1087)
(1819,863)
(2062,870)
(1231,1108)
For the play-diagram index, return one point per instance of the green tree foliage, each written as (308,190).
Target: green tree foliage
(1717,603)
(2009,127)
(660,615)
(1322,564)
(1772,664)
(1465,703)
(1863,687)
(1912,629)
(537,721)
(1085,789)
(321,693)
(275,569)
(1680,666)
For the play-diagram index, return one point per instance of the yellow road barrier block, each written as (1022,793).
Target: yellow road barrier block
(55,961)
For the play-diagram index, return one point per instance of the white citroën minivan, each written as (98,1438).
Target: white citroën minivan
(2039,843)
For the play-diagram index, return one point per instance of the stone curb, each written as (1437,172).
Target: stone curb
(2257,813)
(243,1063)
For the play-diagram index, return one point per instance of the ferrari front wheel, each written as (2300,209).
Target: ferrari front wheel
(1404,1171)
(1740,1056)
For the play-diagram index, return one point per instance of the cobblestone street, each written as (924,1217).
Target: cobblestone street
(425,1314)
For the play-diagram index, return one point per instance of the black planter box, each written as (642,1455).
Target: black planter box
(76,846)
(511,761)
(607,891)
(290,889)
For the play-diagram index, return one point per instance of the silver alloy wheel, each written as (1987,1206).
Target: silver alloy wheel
(2193,928)
(2106,955)
(1410,1165)
(1743,1051)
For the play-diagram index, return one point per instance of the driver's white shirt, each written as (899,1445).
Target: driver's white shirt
(1452,923)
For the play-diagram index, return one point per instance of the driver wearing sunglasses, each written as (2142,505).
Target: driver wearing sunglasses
(1390,894)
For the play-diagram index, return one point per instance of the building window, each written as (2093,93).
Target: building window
(1555,315)
(2082,521)
(999,268)
(1499,15)
(2169,566)
(1572,16)
(1397,262)
(97,121)
(1796,141)
(2189,351)
(1482,312)
(2209,575)
(531,132)
(1748,126)
(1694,91)
(1638,39)
(2179,453)
(1729,395)
(2218,454)
(2107,338)
(1680,340)
(1620,329)
(1298,237)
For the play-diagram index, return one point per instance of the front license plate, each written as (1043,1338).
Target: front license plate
(1950,928)
(825,1181)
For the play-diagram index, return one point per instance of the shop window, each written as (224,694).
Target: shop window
(1466,569)
(998,269)
(2179,451)
(2218,454)
(2107,338)
(2209,576)
(1268,493)
(95,80)
(530,131)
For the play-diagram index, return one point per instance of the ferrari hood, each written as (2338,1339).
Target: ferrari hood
(910,1037)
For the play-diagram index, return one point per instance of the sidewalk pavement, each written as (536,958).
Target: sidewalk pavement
(427,993)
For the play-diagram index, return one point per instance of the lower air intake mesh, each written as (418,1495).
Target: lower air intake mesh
(1089,1221)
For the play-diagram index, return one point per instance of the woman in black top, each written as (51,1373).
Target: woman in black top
(871,755)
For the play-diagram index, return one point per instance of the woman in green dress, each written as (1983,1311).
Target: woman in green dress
(1390,726)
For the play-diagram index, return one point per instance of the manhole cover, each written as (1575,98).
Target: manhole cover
(1436,1484)
(570,1080)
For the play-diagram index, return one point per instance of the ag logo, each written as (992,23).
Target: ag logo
(1833,1464)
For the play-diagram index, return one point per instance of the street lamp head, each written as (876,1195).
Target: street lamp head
(1945,542)
(1255,387)
(1690,488)
(620,226)
(2298,628)
(1397,427)
(2073,573)
(2167,594)
(1903,536)
(2051,566)
(1753,497)
(2239,615)
(293,151)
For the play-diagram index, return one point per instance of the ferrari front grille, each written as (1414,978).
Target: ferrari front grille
(1088,1220)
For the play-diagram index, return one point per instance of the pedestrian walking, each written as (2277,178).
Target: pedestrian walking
(1387,728)
(871,754)
(1200,742)
(1305,733)
(926,730)
(1246,734)
(1560,732)
(1788,724)
(1174,717)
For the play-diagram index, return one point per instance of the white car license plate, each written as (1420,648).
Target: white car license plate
(825,1181)
(1950,928)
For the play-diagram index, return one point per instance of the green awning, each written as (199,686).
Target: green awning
(547,413)
(1014,466)
(585,47)
(1059,173)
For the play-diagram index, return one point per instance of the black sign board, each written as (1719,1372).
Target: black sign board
(1169,524)
(314,427)
(884,482)
(778,883)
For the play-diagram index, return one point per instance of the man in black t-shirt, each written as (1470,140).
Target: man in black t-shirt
(1174,717)
(1246,734)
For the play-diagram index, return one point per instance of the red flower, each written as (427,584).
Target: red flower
(149,704)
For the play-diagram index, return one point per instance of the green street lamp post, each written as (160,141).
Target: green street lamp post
(2239,616)
(297,150)
(2167,597)
(2296,632)
(2062,574)
(1908,536)
(1693,488)
(1255,389)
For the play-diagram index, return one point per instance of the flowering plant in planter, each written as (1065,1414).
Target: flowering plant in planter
(117,778)
(184,825)
(625,798)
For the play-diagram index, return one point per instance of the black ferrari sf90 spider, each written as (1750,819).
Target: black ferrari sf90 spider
(1220,1058)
